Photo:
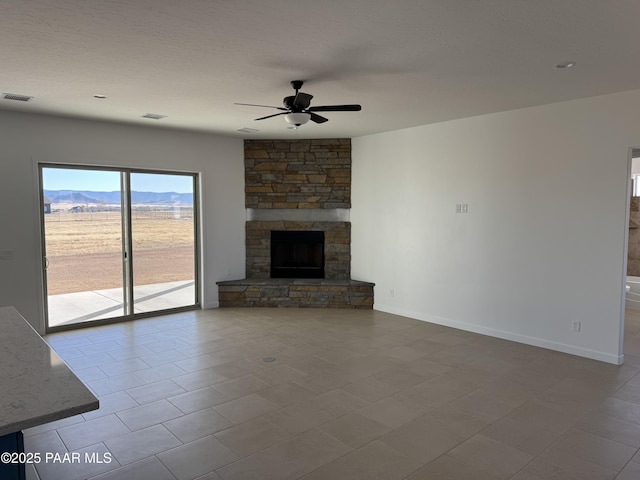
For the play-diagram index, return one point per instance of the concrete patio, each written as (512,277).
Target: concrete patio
(70,308)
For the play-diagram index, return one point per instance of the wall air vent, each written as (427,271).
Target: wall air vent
(154,116)
(17,97)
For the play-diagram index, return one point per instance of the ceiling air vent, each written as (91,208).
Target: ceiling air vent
(247,130)
(15,96)
(154,116)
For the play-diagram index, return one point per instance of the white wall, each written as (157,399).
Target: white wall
(543,242)
(27,139)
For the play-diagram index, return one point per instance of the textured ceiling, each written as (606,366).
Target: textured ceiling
(407,62)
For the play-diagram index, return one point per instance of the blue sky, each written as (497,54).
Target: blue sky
(109,181)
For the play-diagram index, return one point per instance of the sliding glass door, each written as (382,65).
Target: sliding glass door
(162,241)
(82,211)
(117,243)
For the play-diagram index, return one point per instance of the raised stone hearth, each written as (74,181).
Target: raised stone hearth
(281,292)
(297,186)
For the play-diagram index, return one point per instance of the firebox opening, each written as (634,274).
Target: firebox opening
(297,254)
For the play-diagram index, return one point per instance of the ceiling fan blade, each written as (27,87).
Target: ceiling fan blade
(269,116)
(253,105)
(317,118)
(336,108)
(302,100)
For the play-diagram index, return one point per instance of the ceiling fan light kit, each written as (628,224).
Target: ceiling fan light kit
(297,110)
(297,119)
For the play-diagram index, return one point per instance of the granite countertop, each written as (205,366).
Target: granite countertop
(36,386)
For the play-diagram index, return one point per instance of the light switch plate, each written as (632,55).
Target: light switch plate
(6,254)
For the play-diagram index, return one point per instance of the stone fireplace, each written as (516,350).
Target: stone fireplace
(298,189)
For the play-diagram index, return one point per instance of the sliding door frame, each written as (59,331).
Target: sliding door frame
(127,245)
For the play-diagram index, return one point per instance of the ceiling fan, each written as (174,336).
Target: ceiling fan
(297,109)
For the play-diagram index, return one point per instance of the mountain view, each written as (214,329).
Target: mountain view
(80,197)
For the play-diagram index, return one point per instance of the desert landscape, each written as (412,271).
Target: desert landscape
(84,247)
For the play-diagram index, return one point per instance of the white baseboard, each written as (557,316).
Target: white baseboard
(505,335)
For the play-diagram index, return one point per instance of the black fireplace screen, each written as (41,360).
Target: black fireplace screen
(297,254)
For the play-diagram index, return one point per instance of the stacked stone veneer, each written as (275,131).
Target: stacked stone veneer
(337,246)
(296,293)
(301,175)
(298,173)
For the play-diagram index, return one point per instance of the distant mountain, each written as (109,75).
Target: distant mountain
(83,197)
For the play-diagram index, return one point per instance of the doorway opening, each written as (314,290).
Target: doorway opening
(630,330)
(118,243)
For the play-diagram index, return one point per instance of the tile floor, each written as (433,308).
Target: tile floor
(338,394)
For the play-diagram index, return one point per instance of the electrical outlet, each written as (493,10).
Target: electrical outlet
(575,326)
